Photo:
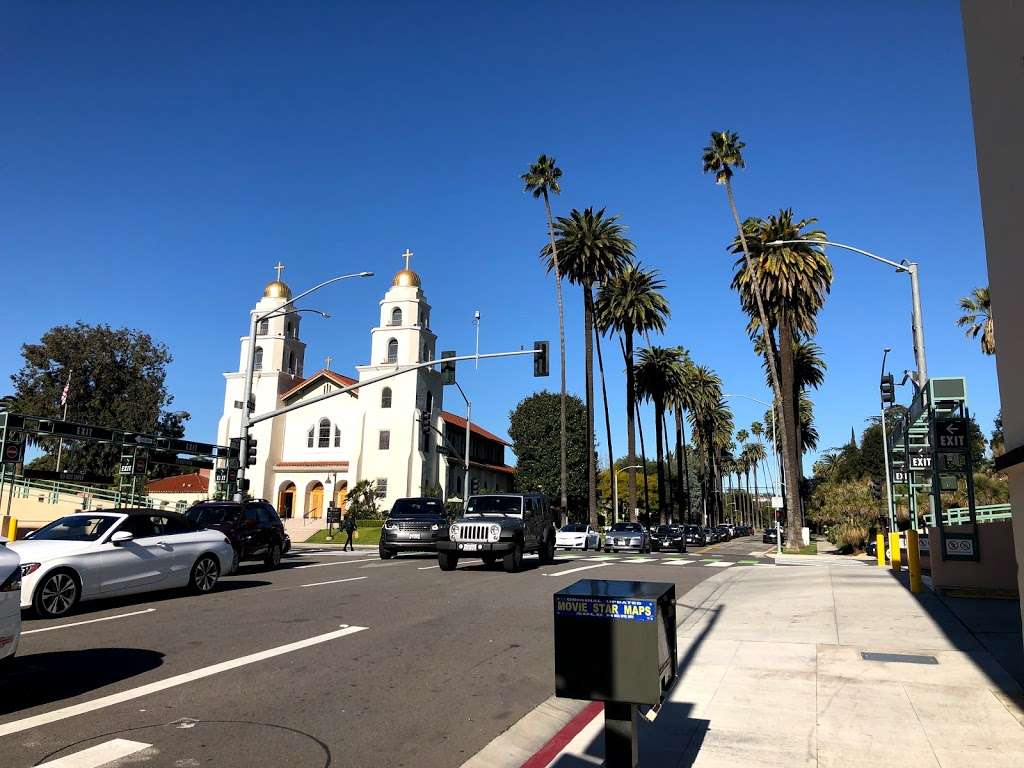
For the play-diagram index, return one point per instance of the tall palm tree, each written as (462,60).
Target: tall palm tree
(724,153)
(756,453)
(705,391)
(794,280)
(541,180)
(658,370)
(977,318)
(628,303)
(680,399)
(591,249)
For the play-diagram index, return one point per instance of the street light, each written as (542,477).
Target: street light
(250,365)
(774,444)
(615,489)
(910,268)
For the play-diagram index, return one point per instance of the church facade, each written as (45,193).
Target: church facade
(308,459)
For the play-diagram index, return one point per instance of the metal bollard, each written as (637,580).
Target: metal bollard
(914,561)
(12,528)
(880,549)
(894,553)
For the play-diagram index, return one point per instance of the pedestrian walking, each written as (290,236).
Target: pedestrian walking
(350,529)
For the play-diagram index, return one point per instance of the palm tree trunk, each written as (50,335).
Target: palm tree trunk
(789,424)
(627,355)
(607,425)
(680,477)
(785,440)
(562,470)
(588,335)
(755,518)
(658,421)
(670,495)
(643,460)
(681,426)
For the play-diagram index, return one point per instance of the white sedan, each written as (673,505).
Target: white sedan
(91,555)
(10,599)
(577,536)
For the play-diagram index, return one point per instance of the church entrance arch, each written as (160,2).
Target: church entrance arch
(286,500)
(315,501)
(341,494)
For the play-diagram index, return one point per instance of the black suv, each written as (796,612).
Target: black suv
(501,525)
(668,537)
(252,527)
(413,525)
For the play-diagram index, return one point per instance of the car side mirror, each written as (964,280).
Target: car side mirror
(120,537)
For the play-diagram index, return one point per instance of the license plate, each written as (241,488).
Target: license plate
(470,547)
(415,535)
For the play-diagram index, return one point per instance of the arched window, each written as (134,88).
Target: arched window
(396,316)
(257,364)
(337,436)
(393,351)
(324,438)
(291,362)
(385,397)
(309,438)
(264,328)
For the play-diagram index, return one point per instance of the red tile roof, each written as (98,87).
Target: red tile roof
(311,465)
(458,421)
(191,483)
(336,378)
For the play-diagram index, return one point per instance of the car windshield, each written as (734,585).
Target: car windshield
(495,505)
(574,528)
(627,528)
(75,528)
(418,507)
(212,514)
(692,529)
(664,530)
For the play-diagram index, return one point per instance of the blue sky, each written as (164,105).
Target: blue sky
(157,159)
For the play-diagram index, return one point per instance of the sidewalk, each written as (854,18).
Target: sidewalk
(771,674)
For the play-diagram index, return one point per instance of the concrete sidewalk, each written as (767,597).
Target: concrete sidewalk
(772,675)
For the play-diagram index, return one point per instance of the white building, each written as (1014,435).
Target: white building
(307,459)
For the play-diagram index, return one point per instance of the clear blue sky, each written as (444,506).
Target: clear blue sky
(157,159)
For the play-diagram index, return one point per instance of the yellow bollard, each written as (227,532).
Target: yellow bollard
(12,529)
(880,549)
(894,553)
(914,561)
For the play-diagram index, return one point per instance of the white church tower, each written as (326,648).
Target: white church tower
(396,454)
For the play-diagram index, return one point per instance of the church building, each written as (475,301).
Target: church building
(307,459)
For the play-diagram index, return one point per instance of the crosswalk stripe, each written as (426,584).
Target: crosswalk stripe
(718,564)
(101,754)
(576,570)
(676,562)
(601,559)
(641,559)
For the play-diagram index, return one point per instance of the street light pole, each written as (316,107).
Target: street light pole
(910,267)
(250,364)
(615,489)
(465,453)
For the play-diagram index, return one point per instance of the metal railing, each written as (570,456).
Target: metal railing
(962,515)
(86,496)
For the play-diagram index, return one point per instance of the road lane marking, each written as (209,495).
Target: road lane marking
(676,562)
(88,621)
(640,559)
(718,564)
(335,581)
(576,570)
(428,567)
(17,726)
(101,754)
(601,559)
(344,562)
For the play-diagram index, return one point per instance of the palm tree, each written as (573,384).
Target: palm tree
(704,390)
(657,373)
(592,248)
(755,452)
(679,400)
(794,280)
(541,179)
(977,318)
(631,302)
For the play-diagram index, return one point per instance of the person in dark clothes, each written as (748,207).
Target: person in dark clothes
(350,529)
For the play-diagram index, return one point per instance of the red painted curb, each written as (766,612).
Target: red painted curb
(557,743)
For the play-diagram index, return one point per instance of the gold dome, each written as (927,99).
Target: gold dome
(406,278)
(276,289)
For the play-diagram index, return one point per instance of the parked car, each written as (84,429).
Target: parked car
(713,535)
(768,537)
(500,525)
(724,534)
(627,536)
(253,527)
(668,537)
(577,536)
(91,555)
(413,525)
(10,601)
(695,535)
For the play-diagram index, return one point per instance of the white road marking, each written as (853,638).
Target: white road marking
(601,559)
(676,562)
(641,559)
(101,754)
(335,581)
(17,726)
(88,621)
(344,562)
(428,567)
(718,564)
(576,570)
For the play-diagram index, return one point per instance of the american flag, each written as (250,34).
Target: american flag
(67,389)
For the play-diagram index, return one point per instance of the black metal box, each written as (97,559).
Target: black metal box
(615,640)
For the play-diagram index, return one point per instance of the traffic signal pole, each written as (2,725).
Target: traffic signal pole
(885,443)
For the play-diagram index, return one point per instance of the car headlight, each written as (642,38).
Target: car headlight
(495,531)
(390,526)
(435,527)
(27,568)
(453,532)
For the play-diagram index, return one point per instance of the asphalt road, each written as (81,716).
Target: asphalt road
(334,659)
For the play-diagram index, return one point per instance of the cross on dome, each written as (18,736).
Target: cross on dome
(407,255)
(280,268)
(405,277)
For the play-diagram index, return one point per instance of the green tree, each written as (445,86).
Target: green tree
(628,303)
(657,373)
(592,248)
(977,319)
(118,380)
(361,501)
(542,181)
(704,390)
(533,427)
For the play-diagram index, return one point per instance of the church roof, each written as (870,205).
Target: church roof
(458,421)
(321,375)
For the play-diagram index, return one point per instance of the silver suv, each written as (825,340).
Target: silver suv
(500,525)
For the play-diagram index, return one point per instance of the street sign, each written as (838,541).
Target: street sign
(13,452)
(179,461)
(225,475)
(959,546)
(948,482)
(777,502)
(952,462)
(920,462)
(952,435)
(899,477)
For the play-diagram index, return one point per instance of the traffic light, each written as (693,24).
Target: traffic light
(250,457)
(540,358)
(235,448)
(448,368)
(888,389)
(425,425)
(474,485)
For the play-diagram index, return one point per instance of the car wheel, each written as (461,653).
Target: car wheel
(56,595)
(385,554)
(513,561)
(447,560)
(205,574)
(273,558)
(489,559)
(546,553)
